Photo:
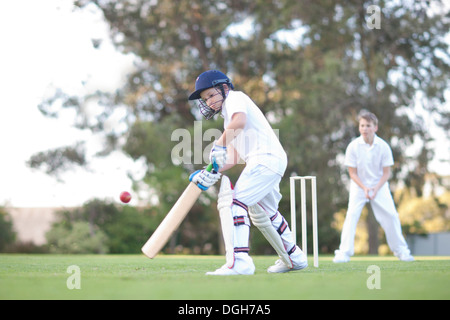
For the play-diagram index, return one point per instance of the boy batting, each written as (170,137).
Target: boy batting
(248,136)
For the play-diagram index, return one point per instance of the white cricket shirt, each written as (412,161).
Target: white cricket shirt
(368,160)
(258,143)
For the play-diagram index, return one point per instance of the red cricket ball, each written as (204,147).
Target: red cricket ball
(125,197)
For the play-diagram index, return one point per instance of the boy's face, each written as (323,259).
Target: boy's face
(213,97)
(367,129)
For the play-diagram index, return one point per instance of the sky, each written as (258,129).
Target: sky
(47,45)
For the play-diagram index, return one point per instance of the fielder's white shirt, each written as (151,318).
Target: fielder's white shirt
(258,143)
(368,160)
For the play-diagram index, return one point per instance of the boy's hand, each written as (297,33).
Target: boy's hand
(204,179)
(370,193)
(218,156)
(373,193)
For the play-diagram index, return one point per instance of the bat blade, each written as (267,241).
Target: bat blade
(172,221)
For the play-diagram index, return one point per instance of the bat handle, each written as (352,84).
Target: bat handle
(209,167)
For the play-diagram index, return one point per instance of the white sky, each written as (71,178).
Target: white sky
(45,45)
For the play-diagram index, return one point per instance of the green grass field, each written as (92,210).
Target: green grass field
(182,277)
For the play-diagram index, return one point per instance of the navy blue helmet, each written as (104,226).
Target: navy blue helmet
(209,79)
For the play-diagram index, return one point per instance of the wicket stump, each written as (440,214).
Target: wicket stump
(304,244)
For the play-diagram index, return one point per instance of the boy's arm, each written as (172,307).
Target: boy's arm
(219,152)
(233,129)
(353,172)
(383,180)
(370,192)
(232,158)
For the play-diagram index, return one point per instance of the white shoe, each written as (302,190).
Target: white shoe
(243,265)
(340,257)
(405,256)
(281,267)
(299,262)
(223,271)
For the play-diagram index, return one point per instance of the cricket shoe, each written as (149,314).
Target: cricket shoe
(225,271)
(340,257)
(243,265)
(405,256)
(299,262)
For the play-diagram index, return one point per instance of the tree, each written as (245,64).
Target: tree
(310,66)
(7,234)
(424,214)
(381,70)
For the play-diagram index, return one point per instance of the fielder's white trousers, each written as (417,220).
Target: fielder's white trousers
(385,213)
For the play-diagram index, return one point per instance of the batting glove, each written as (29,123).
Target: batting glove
(204,179)
(218,156)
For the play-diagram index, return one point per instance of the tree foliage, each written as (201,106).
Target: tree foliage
(101,227)
(7,234)
(310,66)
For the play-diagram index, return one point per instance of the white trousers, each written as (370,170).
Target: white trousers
(260,185)
(385,213)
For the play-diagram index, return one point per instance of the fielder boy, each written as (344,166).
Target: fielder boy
(369,159)
(256,195)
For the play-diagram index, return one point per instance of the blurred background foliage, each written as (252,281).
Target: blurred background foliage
(310,66)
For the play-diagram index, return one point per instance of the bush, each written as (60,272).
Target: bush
(101,227)
(7,234)
(81,237)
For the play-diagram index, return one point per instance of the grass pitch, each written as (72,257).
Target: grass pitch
(182,278)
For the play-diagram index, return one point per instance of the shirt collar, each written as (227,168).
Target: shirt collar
(376,140)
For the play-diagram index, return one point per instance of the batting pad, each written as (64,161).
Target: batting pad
(263,223)
(224,201)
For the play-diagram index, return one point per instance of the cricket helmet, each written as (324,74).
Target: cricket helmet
(209,79)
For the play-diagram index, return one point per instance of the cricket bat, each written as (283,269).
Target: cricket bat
(172,220)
